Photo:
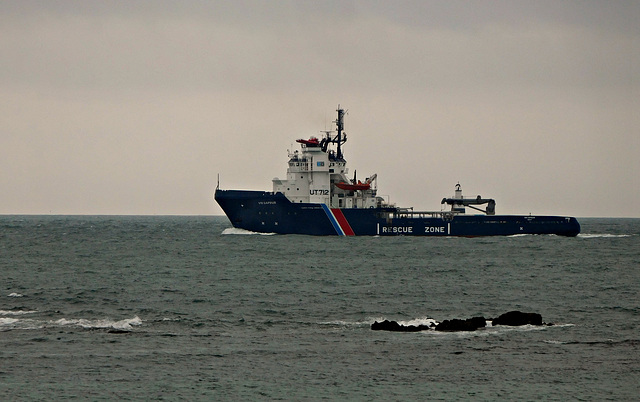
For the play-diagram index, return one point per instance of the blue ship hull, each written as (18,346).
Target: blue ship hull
(267,212)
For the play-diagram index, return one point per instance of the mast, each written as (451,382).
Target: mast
(340,124)
(339,139)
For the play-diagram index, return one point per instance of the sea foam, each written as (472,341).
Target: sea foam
(236,231)
(100,324)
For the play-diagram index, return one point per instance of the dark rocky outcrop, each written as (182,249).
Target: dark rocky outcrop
(470,324)
(387,325)
(517,318)
(512,318)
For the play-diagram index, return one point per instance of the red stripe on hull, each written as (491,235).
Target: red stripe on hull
(342,221)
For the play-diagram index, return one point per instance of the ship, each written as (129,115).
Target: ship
(319,197)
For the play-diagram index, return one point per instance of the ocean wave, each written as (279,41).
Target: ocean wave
(351,324)
(15,295)
(236,231)
(8,324)
(16,312)
(8,321)
(100,324)
(11,323)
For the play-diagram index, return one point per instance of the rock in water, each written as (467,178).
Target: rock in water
(470,324)
(517,318)
(387,325)
(512,318)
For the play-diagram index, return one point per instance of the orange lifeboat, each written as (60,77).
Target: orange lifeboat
(353,187)
(311,142)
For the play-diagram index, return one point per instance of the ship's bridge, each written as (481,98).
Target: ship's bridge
(313,176)
(308,176)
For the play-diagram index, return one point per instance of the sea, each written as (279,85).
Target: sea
(188,308)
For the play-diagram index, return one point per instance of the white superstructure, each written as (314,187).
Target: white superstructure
(319,175)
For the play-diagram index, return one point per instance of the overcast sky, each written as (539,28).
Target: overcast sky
(135,107)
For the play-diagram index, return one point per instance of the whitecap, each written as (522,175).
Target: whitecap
(8,321)
(420,321)
(352,324)
(237,231)
(100,324)
(16,295)
(16,312)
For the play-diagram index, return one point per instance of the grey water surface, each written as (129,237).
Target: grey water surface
(151,307)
